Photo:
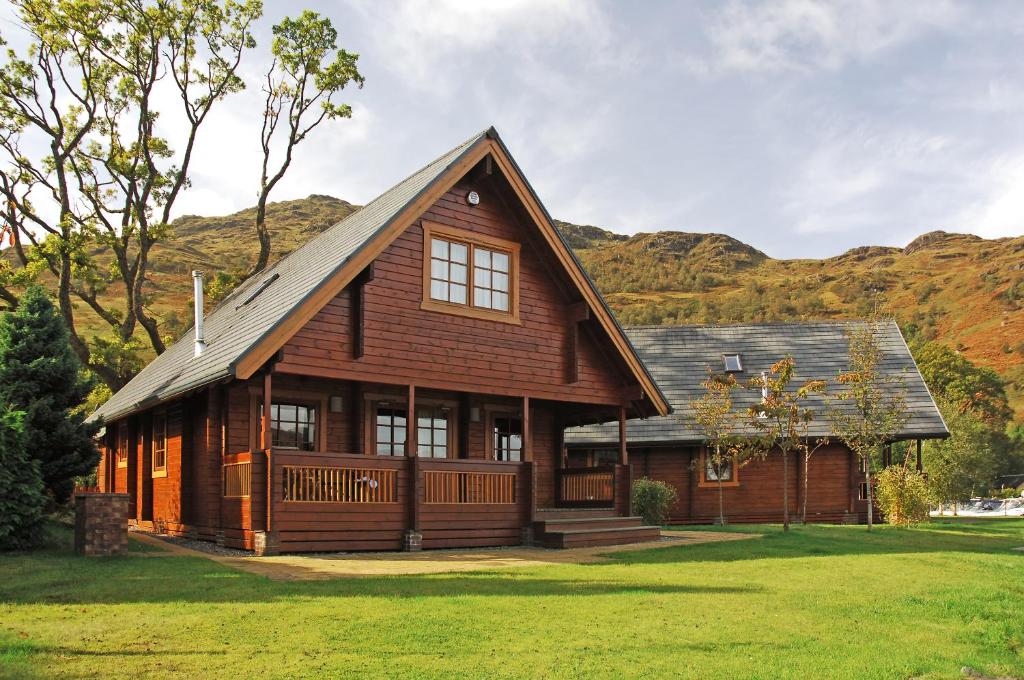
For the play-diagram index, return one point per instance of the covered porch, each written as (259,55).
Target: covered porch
(473,470)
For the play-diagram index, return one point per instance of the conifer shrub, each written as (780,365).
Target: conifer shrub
(652,500)
(22,500)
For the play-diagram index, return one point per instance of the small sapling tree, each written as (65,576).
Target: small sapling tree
(871,408)
(783,418)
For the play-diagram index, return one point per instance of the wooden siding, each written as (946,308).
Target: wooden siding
(758,497)
(405,344)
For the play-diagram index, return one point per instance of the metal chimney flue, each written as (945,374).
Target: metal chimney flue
(197,284)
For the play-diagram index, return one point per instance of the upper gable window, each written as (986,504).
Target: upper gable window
(470,274)
(733,363)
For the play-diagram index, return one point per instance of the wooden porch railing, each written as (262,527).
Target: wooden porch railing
(586,487)
(315,484)
(469,487)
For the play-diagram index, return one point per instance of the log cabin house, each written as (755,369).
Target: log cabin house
(402,380)
(671,448)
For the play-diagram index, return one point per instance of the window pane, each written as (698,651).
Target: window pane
(457,293)
(499,262)
(499,301)
(400,436)
(439,249)
(482,297)
(383,434)
(482,278)
(423,436)
(482,258)
(458,273)
(458,253)
(500,282)
(286,412)
(439,269)
(438,290)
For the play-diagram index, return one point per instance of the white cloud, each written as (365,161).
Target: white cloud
(811,35)
(423,42)
(999,211)
(856,177)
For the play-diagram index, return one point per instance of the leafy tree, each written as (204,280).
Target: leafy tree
(299,87)
(40,375)
(967,463)
(963,385)
(21,486)
(85,93)
(783,419)
(722,428)
(871,408)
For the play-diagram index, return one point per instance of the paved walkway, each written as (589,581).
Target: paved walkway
(353,565)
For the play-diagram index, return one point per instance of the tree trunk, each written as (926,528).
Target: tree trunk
(803,511)
(785,490)
(262,233)
(871,499)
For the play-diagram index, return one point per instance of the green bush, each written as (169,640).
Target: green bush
(21,486)
(652,500)
(902,494)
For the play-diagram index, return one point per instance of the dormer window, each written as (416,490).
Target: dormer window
(733,363)
(470,274)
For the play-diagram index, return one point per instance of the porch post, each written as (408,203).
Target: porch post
(527,456)
(266,541)
(623,471)
(623,451)
(412,540)
(527,443)
(265,440)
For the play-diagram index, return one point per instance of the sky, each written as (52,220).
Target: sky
(803,128)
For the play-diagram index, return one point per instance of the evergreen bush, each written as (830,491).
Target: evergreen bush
(652,500)
(21,486)
(41,375)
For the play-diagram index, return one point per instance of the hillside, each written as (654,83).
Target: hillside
(963,290)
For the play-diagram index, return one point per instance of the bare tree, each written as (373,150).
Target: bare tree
(299,87)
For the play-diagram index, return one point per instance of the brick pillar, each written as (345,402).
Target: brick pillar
(267,543)
(101,524)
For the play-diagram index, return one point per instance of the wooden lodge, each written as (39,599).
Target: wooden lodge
(671,448)
(403,380)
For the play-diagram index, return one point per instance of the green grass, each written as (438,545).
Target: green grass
(820,601)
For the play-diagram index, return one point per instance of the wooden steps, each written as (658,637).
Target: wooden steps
(561,528)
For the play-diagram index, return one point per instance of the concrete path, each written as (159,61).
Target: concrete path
(354,565)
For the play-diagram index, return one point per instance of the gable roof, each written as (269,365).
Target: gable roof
(679,358)
(258,317)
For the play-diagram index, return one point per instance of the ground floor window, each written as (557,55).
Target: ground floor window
(432,431)
(293,426)
(390,423)
(725,473)
(160,443)
(121,454)
(507,433)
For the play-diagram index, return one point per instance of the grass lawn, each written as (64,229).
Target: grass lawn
(820,601)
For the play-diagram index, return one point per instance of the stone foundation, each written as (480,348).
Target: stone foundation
(101,524)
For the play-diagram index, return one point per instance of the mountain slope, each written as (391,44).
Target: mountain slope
(963,290)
